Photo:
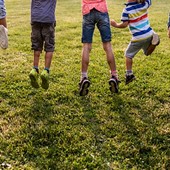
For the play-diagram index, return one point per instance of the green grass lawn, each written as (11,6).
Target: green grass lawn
(59,130)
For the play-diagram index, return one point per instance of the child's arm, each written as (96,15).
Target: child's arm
(119,25)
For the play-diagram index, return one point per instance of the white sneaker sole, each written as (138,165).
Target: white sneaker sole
(113,86)
(3,37)
(155,39)
(84,88)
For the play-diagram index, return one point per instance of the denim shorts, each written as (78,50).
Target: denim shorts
(2,9)
(43,36)
(103,24)
(134,47)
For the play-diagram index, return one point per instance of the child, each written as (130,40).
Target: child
(95,13)
(169,27)
(43,35)
(135,16)
(3,26)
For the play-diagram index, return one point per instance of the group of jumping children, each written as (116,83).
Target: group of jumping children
(94,13)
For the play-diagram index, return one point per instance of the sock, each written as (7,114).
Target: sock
(47,69)
(36,68)
(114,73)
(129,72)
(84,74)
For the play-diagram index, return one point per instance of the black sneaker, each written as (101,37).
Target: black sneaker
(84,85)
(129,78)
(114,83)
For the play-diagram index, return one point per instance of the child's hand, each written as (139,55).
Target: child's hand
(119,25)
(113,23)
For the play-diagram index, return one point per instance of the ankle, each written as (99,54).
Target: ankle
(129,72)
(114,73)
(47,69)
(83,75)
(36,68)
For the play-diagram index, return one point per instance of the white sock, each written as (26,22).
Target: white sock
(83,74)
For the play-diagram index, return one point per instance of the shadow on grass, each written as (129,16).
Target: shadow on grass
(140,144)
(66,131)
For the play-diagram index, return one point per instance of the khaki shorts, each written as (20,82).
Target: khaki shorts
(43,36)
(134,47)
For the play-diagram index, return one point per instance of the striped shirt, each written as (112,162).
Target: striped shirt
(137,16)
(99,5)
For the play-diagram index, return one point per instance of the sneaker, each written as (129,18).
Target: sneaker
(34,78)
(3,37)
(114,83)
(129,78)
(84,85)
(155,42)
(45,79)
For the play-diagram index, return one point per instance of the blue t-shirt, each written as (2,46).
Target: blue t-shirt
(43,11)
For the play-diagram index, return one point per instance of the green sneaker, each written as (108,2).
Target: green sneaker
(45,79)
(34,78)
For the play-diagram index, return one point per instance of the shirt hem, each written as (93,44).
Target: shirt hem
(141,39)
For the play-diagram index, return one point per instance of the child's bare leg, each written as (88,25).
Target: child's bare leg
(3,22)
(129,63)
(113,82)
(36,58)
(110,56)
(48,59)
(154,42)
(129,73)
(84,82)
(85,56)
(85,59)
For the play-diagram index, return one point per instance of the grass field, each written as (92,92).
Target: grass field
(59,130)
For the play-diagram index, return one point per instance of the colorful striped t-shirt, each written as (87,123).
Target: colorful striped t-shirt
(137,16)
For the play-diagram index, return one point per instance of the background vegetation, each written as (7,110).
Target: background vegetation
(59,130)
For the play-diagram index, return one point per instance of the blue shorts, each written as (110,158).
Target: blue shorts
(103,24)
(2,9)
